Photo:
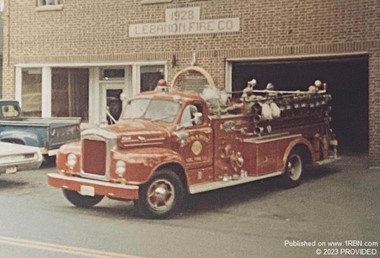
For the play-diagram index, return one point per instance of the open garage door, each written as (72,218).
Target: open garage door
(347,81)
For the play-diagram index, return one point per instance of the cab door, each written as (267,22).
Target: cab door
(195,137)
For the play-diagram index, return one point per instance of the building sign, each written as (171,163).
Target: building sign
(182,21)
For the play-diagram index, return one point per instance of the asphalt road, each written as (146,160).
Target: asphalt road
(335,203)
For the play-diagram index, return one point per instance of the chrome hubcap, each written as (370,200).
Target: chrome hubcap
(294,167)
(161,195)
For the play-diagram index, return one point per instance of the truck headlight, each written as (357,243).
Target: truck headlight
(120,167)
(72,160)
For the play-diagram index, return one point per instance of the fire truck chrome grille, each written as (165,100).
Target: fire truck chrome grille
(94,155)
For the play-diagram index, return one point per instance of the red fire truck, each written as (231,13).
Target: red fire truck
(169,143)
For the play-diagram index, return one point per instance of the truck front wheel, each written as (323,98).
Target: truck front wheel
(161,196)
(293,170)
(80,200)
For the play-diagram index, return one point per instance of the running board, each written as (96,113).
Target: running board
(199,188)
(328,161)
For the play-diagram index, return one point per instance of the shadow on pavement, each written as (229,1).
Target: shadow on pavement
(6,185)
(236,195)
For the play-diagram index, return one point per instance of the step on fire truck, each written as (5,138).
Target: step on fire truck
(169,143)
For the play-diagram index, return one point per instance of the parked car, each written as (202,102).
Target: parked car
(15,157)
(46,133)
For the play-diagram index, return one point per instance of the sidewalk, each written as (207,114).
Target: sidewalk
(355,161)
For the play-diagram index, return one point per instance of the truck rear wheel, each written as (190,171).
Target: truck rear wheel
(80,200)
(293,169)
(161,196)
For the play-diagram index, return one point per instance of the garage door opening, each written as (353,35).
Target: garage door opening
(347,81)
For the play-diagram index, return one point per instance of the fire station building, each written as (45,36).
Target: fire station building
(76,58)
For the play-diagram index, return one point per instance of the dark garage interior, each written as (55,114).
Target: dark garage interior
(347,82)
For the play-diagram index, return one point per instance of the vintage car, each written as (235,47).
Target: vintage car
(15,157)
(46,133)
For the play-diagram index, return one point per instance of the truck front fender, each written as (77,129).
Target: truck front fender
(141,163)
(20,137)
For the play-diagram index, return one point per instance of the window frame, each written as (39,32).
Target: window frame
(155,1)
(199,108)
(41,5)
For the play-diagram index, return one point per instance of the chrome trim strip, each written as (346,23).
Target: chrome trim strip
(149,144)
(222,184)
(92,182)
(271,138)
(134,141)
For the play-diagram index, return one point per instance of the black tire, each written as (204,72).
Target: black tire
(161,196)
(80,200)
(294,168)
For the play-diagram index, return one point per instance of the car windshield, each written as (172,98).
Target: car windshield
(10,111)
(151,109)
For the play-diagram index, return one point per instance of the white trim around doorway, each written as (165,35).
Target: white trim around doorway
(131,82)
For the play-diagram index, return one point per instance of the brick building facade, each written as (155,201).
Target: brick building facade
(74,58)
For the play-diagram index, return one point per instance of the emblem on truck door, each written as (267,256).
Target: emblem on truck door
(196,148)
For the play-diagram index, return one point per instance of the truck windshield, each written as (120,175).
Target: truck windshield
(151,109)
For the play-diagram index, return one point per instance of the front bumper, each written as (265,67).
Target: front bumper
(17,165)
(90,187)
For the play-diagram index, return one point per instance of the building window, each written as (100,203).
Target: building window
(31,91)
(112,73)
(48,2)
(149,76)
(43,5)
(69,94)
